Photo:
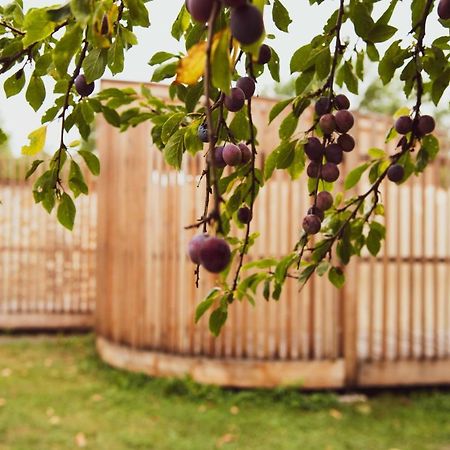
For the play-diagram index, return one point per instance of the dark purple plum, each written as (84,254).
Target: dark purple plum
(334,153)
(444,9)
(313,169)
(346,142)
(341,102)
(232,155)
(327,124)
(202,132)
(311,224)
(235,101)
(247,85)
(425,125)
(322,106)
(234,3)
(200,10)
(246,153)
(218,157)
(194,247)
(396,173)
(244,215)
(215,254)
(330,172)
(82,87)
(315,211)
(403,125)
(314,149)
(264,55)
(324,200)
(247,24)
(344,120)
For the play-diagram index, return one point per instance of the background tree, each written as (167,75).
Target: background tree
(213,82)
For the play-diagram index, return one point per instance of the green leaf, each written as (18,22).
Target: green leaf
(37,142)
(354,176)
(116,58)
(138,12)
(173,151)
(35,94)
(95,64)
(92,162)
(349,77)
(377,153)
(381,33)
(217,320)
(323,63)
(299,58)
(66,211)
(66,48)
(373,241)
(280,16)
(221,64)
(363,22)
(160,57)
(288,126)
(171,125)
(431,145)
(260,264)
(206,303)
(76,180)
(14,84)
(37,26)
(278,108)
(165,71)
(33,168)
(391,61)
(337,277)
(270,164)
(274,66)
(286,154)
(111,116)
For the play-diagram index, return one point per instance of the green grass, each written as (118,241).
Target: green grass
(53,389)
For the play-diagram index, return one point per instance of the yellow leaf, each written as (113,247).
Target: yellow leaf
(37,142)
(192,66)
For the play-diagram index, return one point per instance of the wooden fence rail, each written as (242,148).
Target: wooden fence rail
(47,274)
(389,325)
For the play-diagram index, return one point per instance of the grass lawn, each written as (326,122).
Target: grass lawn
(55,394)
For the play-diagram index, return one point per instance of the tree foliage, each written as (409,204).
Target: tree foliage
(74,43)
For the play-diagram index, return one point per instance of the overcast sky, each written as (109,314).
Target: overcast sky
(18,119)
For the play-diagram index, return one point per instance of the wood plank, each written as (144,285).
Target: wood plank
(248,373)
(46,321)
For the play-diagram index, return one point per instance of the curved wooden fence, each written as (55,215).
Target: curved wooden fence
(390,325)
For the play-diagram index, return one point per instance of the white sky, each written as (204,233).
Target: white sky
(18,119)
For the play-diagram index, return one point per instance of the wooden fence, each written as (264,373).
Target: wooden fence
(47,274)
(390,325)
